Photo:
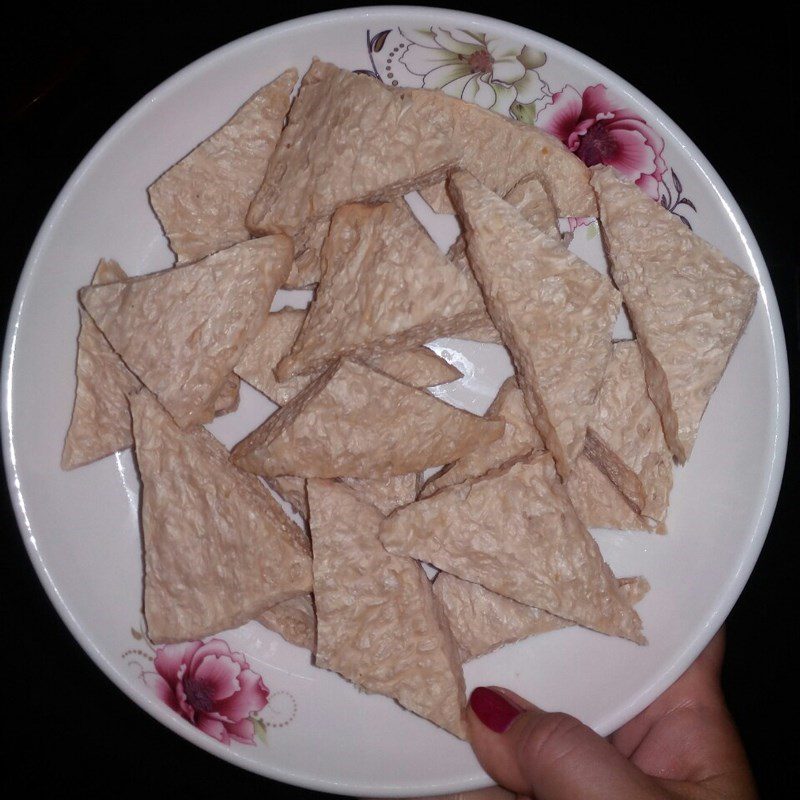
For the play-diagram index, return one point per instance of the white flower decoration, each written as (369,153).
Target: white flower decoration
(492,72)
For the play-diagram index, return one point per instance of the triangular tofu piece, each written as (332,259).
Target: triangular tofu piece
(386,494)
(356,422)
(625,439)
(294,619)
(519,437)
(386,286)
(515,532)
(218,549)
(101,417)
(500,151)
(532,201)
(482,621)
(378,623)
(599,504)
(554,312)
(202,200)
(181,331)
(597,501)
(688,303)
(417,367)
(348,139)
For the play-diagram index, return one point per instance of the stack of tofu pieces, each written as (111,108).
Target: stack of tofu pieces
(309,193)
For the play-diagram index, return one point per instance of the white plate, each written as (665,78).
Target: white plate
(81,528)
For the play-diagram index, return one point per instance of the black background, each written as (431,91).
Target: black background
(70,72)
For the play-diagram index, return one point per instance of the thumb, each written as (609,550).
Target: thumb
(548,756)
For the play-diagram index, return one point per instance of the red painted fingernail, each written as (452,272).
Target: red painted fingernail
(493,709)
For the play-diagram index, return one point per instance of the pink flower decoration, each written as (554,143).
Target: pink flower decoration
(599,131)
(211,687)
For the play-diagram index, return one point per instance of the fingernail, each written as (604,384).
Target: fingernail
(493,709)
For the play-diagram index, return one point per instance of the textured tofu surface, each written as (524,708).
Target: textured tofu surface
(482,621)
(554,312)
(182,330)
(101,417)
(532,201)
(500,151)
(519,437)
(596,500)
(356,422)
(418,366)
(306,267)
(687,302)
(378,623)
(386,494)
(599,504)
(515,532)
(202,200)
(294,619)
(625,438)
(385,286)
(347,139)
(218,549)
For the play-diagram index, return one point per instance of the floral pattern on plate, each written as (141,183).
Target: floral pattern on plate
(212,687)
(503,76)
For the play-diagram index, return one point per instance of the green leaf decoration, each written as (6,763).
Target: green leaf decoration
(379,40)
(524,112)
(260,728)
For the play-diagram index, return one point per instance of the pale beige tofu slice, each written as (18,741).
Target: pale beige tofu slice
(218,549)
(687,302)
(378,623)
(181,331)
(202,200)
(294,619)
(483,331)
(597,501)
(386,494)
(482,621)
(519,437)
(356,422)
(101,417)
(515,532)
(500,151)
(625,439)
(532,201)
(347,139)
(554,312)
(599,504)
(418,366)
(386,286)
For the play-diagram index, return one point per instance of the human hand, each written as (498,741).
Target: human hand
(685,745)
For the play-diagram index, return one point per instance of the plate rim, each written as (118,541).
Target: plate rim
(729,592)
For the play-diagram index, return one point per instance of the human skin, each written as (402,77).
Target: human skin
(683,746)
